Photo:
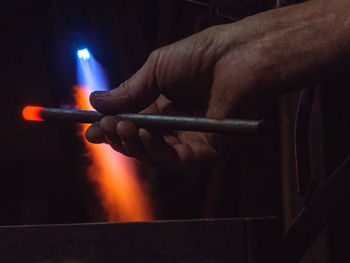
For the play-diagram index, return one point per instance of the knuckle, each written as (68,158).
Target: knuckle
(128,92)
(155,55)
(108,124)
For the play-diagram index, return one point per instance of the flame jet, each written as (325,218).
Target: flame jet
(118,184)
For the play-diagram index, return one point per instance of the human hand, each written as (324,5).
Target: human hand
(225,71)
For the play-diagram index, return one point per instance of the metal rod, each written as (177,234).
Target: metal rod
(159,121)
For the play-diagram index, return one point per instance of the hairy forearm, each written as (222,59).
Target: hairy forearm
(299,44)
(315,38)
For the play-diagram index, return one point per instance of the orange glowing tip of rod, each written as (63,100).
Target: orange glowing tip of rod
(32,113)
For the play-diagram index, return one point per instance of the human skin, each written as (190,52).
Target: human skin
(225,71)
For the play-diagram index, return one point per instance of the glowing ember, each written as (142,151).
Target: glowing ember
(118,184)
(32,113)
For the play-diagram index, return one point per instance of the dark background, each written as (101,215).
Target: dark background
(42,165)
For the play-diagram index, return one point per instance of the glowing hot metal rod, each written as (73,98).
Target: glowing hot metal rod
(34,113)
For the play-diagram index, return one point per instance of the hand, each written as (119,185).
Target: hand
(223,72)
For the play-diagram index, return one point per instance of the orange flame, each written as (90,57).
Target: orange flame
(32,113)
(119,188)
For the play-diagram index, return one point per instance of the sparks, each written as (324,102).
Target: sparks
(32,113)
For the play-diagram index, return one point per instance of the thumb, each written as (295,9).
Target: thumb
(132,95)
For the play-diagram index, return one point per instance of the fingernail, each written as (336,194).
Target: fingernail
(100,93)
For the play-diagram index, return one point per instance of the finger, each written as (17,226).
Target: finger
(171,139)
(168,151)
(158,150)
(108,125)
(94,134)
(197,151)
(128,133)
(132,95)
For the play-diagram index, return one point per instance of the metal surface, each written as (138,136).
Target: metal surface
(81,116)
(237,240)
(159,121)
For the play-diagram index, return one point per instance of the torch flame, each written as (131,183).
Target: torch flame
(118,184)
(32,113)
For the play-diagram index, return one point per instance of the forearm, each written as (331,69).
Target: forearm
(315,38)
(298,44)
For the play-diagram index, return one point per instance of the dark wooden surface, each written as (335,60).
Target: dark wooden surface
(219,240)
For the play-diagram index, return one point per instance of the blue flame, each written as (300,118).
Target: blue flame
(90,73)
(84,54)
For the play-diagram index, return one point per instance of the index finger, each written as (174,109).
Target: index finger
(132,95)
